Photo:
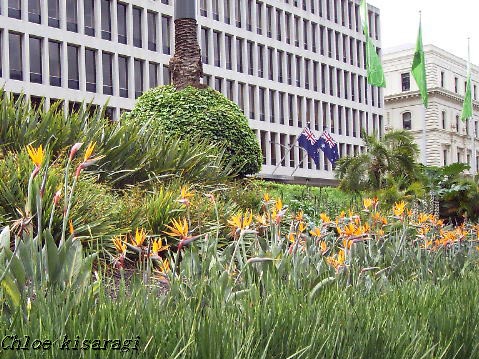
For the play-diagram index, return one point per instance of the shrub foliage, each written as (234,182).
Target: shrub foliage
(204,114)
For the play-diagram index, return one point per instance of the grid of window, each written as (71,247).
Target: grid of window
(314,75)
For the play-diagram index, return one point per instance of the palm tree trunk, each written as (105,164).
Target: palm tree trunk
(185,65)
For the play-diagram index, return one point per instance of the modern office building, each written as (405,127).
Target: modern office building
(286,63)
(447,138)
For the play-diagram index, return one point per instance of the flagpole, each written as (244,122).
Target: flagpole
(424,123)
(472,127)
(286,153)
(297,166)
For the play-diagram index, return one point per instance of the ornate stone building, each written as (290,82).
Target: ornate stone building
(448,139)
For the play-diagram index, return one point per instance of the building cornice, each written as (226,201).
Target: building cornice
(435,91)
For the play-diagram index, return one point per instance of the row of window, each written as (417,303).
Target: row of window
(268,105)
(126,14)
(92,60)
(406,84)
(459,126)
(260,17)
(461,157)
(332,44)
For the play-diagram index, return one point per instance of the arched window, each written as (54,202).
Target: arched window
(406,120)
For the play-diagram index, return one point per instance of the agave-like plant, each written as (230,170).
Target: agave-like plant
(39,263)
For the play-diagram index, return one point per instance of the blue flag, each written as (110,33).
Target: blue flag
(309,142)
(329,147)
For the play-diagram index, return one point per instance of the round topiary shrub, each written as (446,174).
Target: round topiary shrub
(205,114)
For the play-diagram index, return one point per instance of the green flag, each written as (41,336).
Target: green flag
(467,106)
(373,62)
(419,68)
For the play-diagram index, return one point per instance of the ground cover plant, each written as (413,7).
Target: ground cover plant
(95,265)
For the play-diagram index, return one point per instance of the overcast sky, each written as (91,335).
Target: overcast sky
(446,24)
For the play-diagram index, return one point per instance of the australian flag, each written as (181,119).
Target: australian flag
(329,147)
(310,143)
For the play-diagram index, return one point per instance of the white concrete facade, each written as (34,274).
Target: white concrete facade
(448,138)
(286,63)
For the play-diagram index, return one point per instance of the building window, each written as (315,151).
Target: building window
(204,45)
(203,8)
(90,68)
(259,18)
(250,57)
(456,84)
(228,43)
(269,21)
(138,78)
(89,17)
(444,157)
(252,112)
(72,15)
(475,92)
(107,60)
(55,64)
(121,20)
(105,20)
(216,15)
(443,118)
(153,73)
(35,60)
(278,24)
(165,34)
(34,11)
(260,61)
(406,82)
(15,48)
(123,74)
(166,75)
(216,48)
(53,13)
(239,55)
(237,13)
(457,123)
(152,31)
(406,120)
(227,11)
(73,73)
(249,15)
(15,9)
(137,27)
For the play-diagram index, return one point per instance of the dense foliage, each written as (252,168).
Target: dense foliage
(133,153)
(392,157)
(205,114)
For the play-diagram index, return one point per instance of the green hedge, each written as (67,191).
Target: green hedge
(205,114)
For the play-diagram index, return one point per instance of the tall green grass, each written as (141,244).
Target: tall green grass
(408,320)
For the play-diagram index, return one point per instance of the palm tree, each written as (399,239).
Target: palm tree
(393,156)
(185,65)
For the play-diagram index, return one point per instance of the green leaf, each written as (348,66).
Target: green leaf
(5,238)
(52,258)
(16,268)
(11,289)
